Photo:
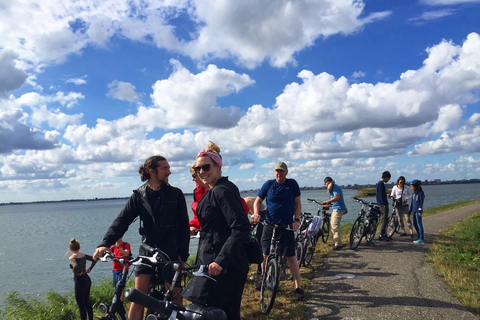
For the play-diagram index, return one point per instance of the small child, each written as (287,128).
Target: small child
(417,209)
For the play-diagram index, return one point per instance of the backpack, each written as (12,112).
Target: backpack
(130,256)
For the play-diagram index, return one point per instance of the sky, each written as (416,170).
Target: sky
(341,88)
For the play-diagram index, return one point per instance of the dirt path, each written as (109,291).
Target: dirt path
(388,281)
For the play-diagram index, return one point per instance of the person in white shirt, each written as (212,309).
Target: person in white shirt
(400,196)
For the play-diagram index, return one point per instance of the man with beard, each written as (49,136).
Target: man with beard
(163,224)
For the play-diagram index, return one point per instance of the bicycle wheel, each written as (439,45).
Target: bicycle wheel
(372,229)
(392,225)
(310,250)
(285,269)
(356,234)
(325,230)
(269,287)
(299,251)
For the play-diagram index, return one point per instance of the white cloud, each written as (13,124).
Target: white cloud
(249,31)
(122,91)
(358,74)
(194,96)
(11,77)
(252,31)
(464,140)
(77,81)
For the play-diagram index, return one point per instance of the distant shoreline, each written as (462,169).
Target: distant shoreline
(354,187)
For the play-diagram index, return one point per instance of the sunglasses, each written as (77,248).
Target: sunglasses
(205,168)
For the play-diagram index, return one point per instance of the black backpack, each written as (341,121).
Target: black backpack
(130,256)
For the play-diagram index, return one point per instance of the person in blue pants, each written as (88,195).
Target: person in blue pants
(417,209)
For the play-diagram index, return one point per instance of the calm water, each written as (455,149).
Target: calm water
(34,237)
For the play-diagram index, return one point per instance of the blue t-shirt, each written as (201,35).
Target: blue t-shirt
(340,204)
(280,200)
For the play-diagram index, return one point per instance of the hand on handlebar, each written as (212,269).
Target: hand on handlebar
(214,269)
(99,252)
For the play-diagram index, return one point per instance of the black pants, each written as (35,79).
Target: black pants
(82,296)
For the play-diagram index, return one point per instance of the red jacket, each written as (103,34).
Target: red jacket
(197,195)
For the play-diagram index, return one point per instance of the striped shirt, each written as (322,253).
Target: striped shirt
(78,265)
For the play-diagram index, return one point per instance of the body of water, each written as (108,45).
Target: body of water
(34,237)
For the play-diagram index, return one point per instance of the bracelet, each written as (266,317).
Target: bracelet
(297,220)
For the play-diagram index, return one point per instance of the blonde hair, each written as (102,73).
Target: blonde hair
(74,245)
(212,147)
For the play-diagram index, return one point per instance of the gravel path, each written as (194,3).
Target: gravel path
(389,281)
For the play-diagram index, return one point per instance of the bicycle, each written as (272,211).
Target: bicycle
(324,232)
(116,309)
(393,225)
(270,278)
(365,225)
(301,235)
(162,309)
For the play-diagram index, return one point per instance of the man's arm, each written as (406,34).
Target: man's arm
(256,210)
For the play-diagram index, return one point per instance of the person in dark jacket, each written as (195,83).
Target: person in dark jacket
(417,209)
(382,201)
(164,224)
(225,229)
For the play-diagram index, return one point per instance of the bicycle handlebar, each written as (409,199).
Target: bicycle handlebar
(324,206)
(370,204)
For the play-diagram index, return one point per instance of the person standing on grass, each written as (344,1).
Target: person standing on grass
(338,210)
(284,207)
(382,202)
(400,195)
(120,250)
(417,209)
(224,230)
(83,283)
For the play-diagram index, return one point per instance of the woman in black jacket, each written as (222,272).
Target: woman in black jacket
(225,229)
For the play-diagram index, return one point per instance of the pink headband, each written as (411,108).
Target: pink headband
(212,155)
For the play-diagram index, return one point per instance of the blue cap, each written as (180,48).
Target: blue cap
(416,182)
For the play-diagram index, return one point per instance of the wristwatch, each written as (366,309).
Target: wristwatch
(296,219)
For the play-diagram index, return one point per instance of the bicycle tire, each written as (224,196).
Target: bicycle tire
(325,230)
(310,250)
(269,286)
(392,225)
(285,269)
(372,230)
(356,234)
(299,253)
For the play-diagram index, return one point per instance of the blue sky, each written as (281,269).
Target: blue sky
(348,89)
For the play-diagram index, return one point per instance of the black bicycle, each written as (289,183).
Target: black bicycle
(310,242)
(271,274)
(393,225)
(117,310)
(365,226)
(163,309)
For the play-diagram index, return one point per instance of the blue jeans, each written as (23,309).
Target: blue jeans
(417,223)
(117,276)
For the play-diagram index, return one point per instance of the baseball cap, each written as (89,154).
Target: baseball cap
(281,166)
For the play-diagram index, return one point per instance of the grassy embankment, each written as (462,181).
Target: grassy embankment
(455,254)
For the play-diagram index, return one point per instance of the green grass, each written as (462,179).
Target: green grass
(455,254)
